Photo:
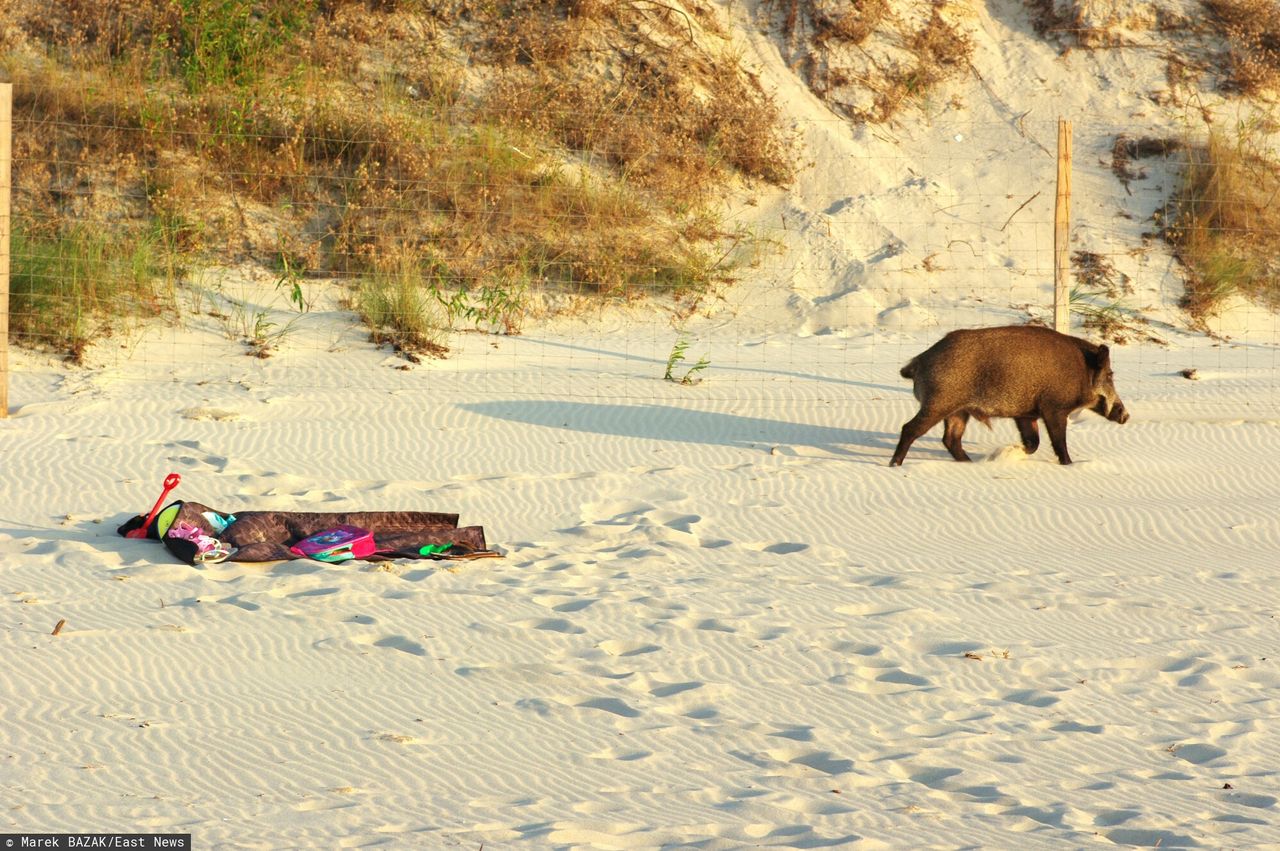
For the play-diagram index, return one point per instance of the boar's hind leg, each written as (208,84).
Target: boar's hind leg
(954,431)
(914,427)
(1055,422)
(1030,433)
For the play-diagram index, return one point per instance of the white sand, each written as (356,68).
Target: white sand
(721,620)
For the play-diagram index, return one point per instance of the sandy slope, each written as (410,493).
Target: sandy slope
(721,621)
(944,217)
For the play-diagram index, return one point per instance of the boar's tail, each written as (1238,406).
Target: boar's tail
(908,371)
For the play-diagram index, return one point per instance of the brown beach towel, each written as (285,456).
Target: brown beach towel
(267,535)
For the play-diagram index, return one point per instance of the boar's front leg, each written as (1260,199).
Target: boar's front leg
(954,431)
(1055,422)
(1030,433)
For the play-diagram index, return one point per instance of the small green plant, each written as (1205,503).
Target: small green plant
(260,339)
(676,357)
(229,42)
(255,328)
(502,306)
(250,324)
(1107,316)
(291,279)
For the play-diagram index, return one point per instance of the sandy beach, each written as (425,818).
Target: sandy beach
(720,619)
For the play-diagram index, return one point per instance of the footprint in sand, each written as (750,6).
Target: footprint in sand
(1150,838)
(823,761)
(625,649)
(196,459)
(663,690)
(881,676)
(797,733)
(1198,753)
(1031,697)
(783,548)
(612,705)
(551,625)
(1246,799)
(362,643)
(313,592)
(568,606)
(401,643)
(239,601)
(681,522)
(615,513)
(621,754)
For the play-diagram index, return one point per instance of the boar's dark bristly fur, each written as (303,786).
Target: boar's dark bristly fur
(1025,372)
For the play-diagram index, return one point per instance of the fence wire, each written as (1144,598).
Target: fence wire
(260,251)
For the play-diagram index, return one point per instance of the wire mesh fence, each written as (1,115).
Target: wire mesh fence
(446,249)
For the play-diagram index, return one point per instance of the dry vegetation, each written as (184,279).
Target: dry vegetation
(870,58)
(460,148)
(1110,23)
(1251,29)
(1100,298)
(1224,223)
(1222,220)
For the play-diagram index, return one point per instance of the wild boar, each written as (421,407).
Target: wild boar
(1025,372)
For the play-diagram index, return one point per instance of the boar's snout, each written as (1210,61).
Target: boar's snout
(1113,411)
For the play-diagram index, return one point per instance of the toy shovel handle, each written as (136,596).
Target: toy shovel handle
(170,482)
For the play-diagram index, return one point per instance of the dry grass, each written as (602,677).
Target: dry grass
(1252,32)
(1099,297)
(870,58)
(1224,223)
(507,145)
(633,87)
(1126,150)
(940,49)
(852,24)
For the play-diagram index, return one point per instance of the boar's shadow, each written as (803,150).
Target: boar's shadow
(681,425)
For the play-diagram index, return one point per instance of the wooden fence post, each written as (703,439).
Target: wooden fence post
(6,157)
(1062,233)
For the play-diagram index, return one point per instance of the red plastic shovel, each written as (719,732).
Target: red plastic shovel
(170,482)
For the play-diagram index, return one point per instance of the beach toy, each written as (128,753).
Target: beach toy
(340,543)
(170,482)
(208,548)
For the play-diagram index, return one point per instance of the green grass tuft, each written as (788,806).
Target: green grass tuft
(72,285)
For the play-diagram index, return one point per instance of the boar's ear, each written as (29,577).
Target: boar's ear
(1100,360)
